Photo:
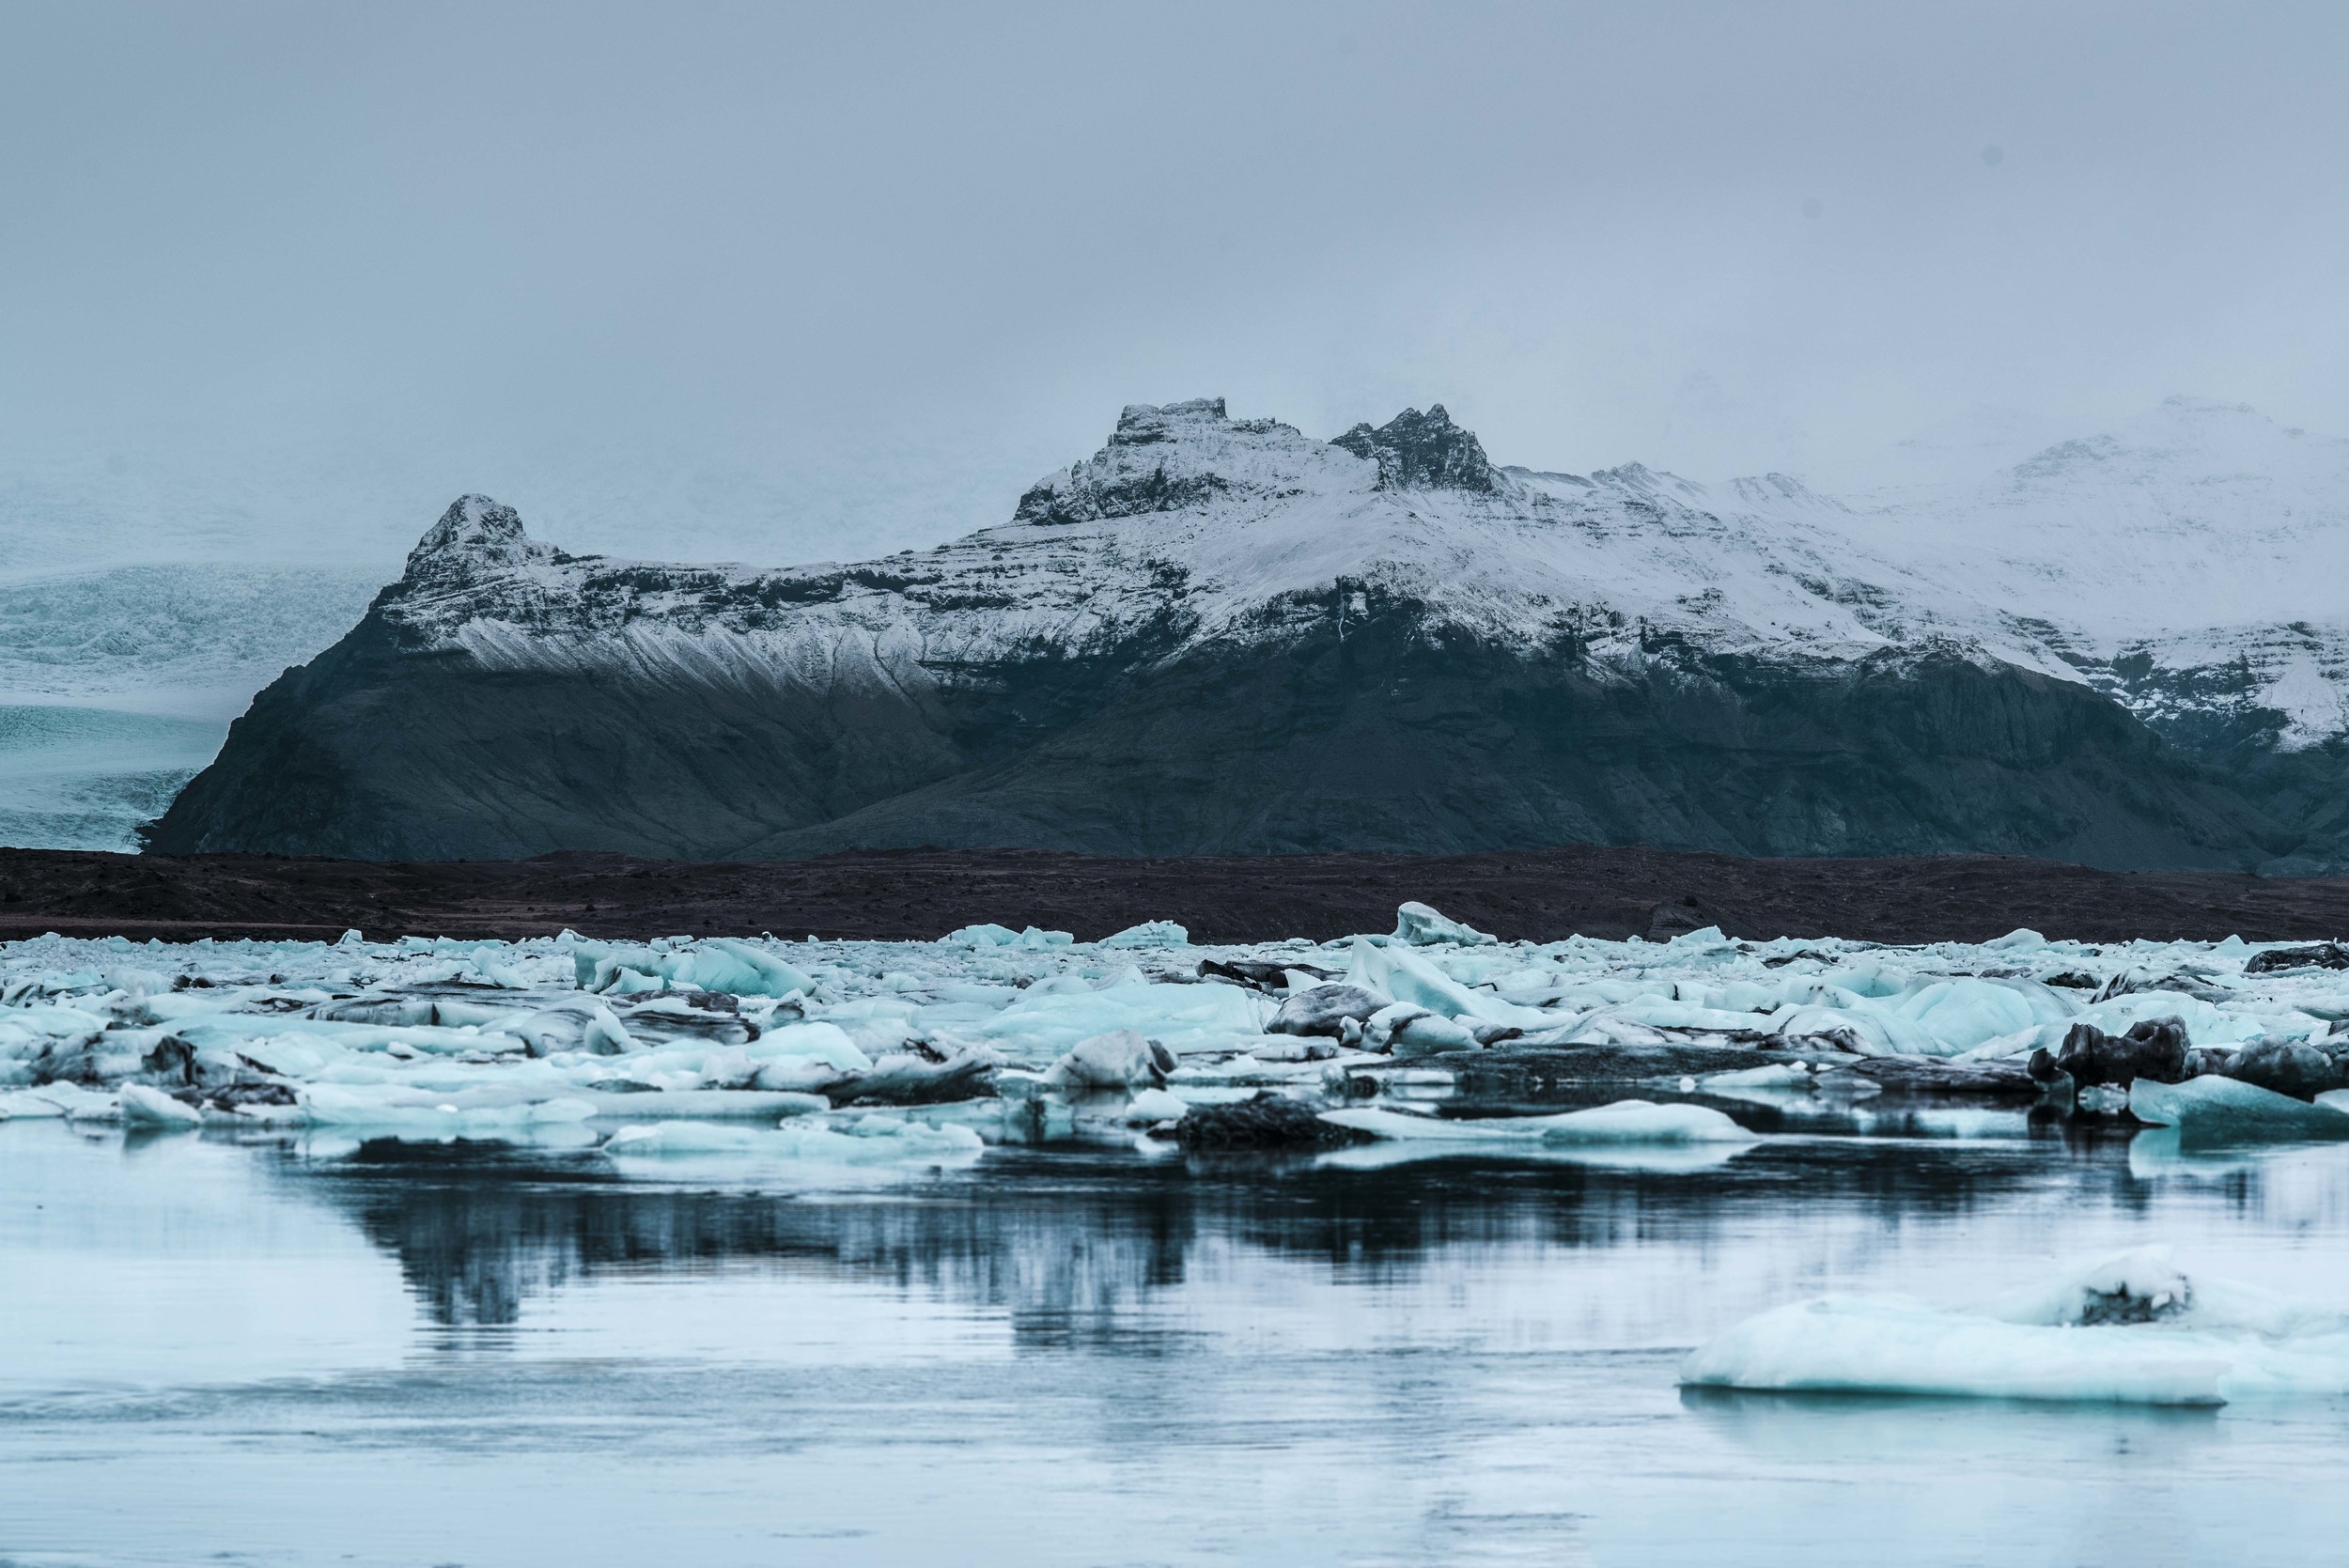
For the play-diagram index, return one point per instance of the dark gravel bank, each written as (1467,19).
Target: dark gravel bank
(924,893)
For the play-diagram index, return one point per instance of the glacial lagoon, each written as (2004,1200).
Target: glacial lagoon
(220,1347)
(496,1255)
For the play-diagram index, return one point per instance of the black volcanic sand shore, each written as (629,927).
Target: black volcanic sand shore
(923,893)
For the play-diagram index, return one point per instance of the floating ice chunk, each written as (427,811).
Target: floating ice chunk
(716,964)
(2214,1109)
(1039,1027)
(2130,1328)
(826,1042)
(720,1105)
(2141,1286)
(1322,1009)
(1120,1059)
(867,1141)
(1624,1121)
(1963,1013)
(1778,1075)
(582,1026)
(1416,924)
(143,1107)
(1869,1344)
(1407,1031)
(1155,1105)
(1150,933)
(980,937)
(1641,1122)
(1392,972)
(69,1101)
(393,1108)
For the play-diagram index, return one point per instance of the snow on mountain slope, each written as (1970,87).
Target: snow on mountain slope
(2188,563)
(1197,527)
(1222,634)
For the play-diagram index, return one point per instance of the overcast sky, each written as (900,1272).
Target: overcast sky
(784,282)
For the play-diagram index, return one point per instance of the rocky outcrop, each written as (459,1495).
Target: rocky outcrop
(1219,635)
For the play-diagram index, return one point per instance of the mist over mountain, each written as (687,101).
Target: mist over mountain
(1222,634)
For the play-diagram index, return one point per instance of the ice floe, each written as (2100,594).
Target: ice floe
(1023,1033)
(2131,1328)
(1624,1121)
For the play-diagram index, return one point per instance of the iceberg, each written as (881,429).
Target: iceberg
(1150,933)
(151,1109)
(1417,924)
(1624,1121)
(2214,1109)
(869,1140)
(2129,1329)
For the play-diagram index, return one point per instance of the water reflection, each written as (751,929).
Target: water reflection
(498,1355)
(1070,1240)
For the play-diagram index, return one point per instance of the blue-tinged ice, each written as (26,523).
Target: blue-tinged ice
(2131,1328)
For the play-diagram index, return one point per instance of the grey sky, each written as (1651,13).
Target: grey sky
(778,282)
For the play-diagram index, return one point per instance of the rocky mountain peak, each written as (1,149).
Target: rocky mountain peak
(1162,458)
(475,536)
(1146,424)
(1417,451)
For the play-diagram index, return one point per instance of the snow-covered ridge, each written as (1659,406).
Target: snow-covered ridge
(1189,525)
(2179,565)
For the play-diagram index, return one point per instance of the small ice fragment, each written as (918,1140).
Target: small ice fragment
(1624,1121)
(1152,1106)
(1418,925)
(1150,933)
(1121,1059)
(143,1107)
(1778,1075)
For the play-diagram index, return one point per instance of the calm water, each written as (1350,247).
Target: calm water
(214,1351)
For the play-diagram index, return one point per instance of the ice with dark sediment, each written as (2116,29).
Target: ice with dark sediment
(2132,1328)
(1012,1034)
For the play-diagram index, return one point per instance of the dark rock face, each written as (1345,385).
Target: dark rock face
(1417,451)
(1392,739)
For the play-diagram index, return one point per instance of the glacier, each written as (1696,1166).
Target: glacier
(117,682)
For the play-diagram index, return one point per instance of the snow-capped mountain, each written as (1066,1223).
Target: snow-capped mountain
(1221,634)
(2187,562)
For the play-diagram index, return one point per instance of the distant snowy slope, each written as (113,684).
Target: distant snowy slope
(2189,562)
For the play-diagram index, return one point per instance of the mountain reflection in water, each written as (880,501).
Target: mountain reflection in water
(403,1352)
(1067,1241)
